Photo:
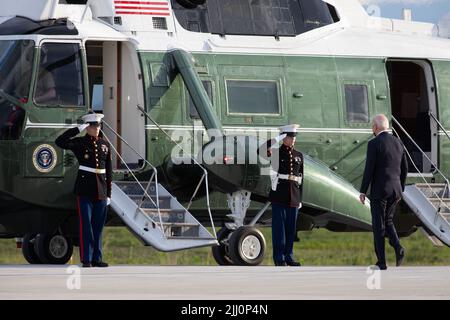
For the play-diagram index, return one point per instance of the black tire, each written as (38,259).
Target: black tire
(220,252)
(28,249)
(53,249)
(247,246)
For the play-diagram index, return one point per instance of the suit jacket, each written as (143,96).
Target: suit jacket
(93,153)
(386,167)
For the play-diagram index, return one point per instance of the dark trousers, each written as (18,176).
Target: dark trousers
(284,221)
(92,215)
(383,224)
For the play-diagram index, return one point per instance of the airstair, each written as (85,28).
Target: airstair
(157,218)
(429,201)
(154,215)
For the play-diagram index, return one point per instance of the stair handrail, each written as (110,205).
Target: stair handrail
(418,171)
(205,172)
(439,123)
(154,175)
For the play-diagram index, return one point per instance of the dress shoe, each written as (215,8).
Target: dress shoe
(86,265)
(381,266)
(100,264)
(293,263)
(399,256)
(280,264)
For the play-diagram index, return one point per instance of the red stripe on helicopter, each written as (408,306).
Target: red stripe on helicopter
(143,2)
(142,8)
(143,12)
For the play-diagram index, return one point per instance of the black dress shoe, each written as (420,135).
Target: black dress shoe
(100,264)
(280,264)
(381,266)
(399,256)
(293,263)
(86,265)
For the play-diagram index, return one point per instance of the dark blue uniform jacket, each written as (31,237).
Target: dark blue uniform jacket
(93,153)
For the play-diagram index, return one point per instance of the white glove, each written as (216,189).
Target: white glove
(108,201)
(82,127)
(280,137)
(300,205)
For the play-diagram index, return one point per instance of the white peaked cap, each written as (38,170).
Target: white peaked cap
(290,128)
(93,117)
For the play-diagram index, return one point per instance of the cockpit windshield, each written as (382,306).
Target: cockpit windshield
(16,63)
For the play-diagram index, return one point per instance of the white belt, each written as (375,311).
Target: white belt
(93,170)
(290,177)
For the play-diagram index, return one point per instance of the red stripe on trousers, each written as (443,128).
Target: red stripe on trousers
(81,231)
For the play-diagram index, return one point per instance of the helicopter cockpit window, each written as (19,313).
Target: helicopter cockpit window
(60,76)
(16,62)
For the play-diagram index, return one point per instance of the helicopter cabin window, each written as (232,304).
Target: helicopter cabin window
(357,101)
(250,17)
(252,97)
(60,76)
(193,113)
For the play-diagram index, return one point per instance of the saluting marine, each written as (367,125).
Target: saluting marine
(93,185)
(286,195)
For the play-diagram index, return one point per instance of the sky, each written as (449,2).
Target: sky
(422,10)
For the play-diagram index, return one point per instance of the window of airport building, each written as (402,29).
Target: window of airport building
(250,17)
(16,64)
(252,97)
(60,76)
(357,103)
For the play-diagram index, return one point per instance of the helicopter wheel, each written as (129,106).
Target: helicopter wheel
(53,249)
(28,249)
(247,246)
(220,252)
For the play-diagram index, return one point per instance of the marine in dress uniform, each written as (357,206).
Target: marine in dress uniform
(286,197)
(92,186)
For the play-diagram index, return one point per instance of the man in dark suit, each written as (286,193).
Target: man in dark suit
(385,171)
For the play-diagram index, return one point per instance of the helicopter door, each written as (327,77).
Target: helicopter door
(115,87)
(58,96)
(413,97)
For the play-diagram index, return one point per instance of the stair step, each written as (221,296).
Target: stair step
(424,185)
(179,224)
(134,189)
(435,190)
(167,215)
(443,204)
(181,229)
(164,201)
(189,238)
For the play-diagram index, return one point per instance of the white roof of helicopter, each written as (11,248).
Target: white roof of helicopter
(356,34)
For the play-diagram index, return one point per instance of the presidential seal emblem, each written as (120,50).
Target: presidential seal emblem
(44,158)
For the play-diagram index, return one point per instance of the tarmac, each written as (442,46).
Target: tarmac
(221,283)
